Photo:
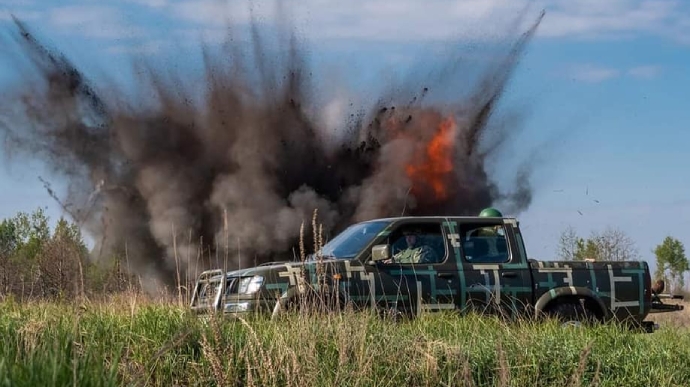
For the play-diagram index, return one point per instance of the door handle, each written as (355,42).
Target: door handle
(509,274)
(446,275)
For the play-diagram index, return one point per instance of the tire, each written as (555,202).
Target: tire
(310,303)
(571,313)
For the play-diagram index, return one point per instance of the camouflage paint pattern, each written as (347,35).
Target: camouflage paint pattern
(506,282)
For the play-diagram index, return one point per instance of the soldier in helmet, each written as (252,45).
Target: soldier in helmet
(415,252)
(490,212)
(491,231)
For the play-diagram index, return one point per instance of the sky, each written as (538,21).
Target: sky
(603,86)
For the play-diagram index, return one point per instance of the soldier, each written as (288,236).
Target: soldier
(414,253)
(494,232)
(489,213)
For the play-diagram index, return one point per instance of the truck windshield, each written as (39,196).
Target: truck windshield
(348,243)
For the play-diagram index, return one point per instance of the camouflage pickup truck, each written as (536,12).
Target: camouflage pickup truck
(411,265)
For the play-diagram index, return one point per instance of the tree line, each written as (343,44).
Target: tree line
(612,244)
(39,263)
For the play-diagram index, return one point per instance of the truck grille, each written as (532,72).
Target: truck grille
(232,285)
(207,293)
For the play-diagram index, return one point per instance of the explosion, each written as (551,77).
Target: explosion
(433,167)
(179,182)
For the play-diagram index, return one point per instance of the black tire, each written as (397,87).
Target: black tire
(571,313)
(310,303)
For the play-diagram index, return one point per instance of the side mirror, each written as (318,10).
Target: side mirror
(380,253)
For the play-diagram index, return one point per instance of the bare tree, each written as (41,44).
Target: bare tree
(568,244)
(615,245)
(612,244)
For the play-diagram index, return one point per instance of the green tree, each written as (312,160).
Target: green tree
(21,242)
(32,232)
(671,262)
(587,249)
(9,238)
(69,233)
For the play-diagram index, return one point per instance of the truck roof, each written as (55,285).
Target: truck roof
(459,217)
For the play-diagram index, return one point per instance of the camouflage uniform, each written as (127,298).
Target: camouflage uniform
(420,254)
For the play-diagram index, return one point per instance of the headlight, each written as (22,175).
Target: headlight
(249,285)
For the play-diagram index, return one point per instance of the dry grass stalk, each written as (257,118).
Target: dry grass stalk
(314,230)
(576,377)
(302,252)
(503,366)
(597,375)
(259,356)
(468,380)
(213,359)
(226,232)
(177,265)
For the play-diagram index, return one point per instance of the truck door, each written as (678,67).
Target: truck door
(493,277)
(413,275)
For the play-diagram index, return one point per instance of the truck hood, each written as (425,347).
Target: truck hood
(259,270)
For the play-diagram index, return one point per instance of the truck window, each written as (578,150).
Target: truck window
(351,241)
(418,244)
(484,243)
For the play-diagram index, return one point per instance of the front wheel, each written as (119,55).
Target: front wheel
(309,303)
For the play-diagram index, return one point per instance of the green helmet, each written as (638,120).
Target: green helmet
(490,212)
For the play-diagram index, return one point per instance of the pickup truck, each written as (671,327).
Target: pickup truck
(411,265)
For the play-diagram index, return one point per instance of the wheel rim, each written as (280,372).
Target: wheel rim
(572,323)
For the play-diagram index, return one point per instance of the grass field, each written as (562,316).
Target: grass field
(130,341)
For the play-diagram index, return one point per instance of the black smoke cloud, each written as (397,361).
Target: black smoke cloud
(178,181)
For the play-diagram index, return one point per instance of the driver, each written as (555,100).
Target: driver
(414,253)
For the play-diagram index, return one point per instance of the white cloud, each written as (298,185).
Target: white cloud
(150,3)
(644,72)
(402,20)
(592,73)
(209,12)
(398,21)
(592,18)
(93,21)
(366,19)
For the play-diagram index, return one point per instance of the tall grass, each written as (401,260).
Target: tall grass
(135,342)
(130,339)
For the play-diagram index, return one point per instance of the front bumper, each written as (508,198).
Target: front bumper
(237,306)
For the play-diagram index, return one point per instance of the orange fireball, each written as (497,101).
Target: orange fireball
(431,166)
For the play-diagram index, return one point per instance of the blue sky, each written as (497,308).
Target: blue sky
(604,84)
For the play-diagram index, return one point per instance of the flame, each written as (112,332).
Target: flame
(433,164)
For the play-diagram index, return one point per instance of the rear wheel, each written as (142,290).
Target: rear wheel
(572,313)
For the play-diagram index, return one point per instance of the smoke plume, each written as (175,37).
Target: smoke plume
(177,180)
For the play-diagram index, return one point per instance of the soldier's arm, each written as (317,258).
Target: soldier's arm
(428,255)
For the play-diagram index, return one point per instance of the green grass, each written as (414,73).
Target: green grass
(109,344)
